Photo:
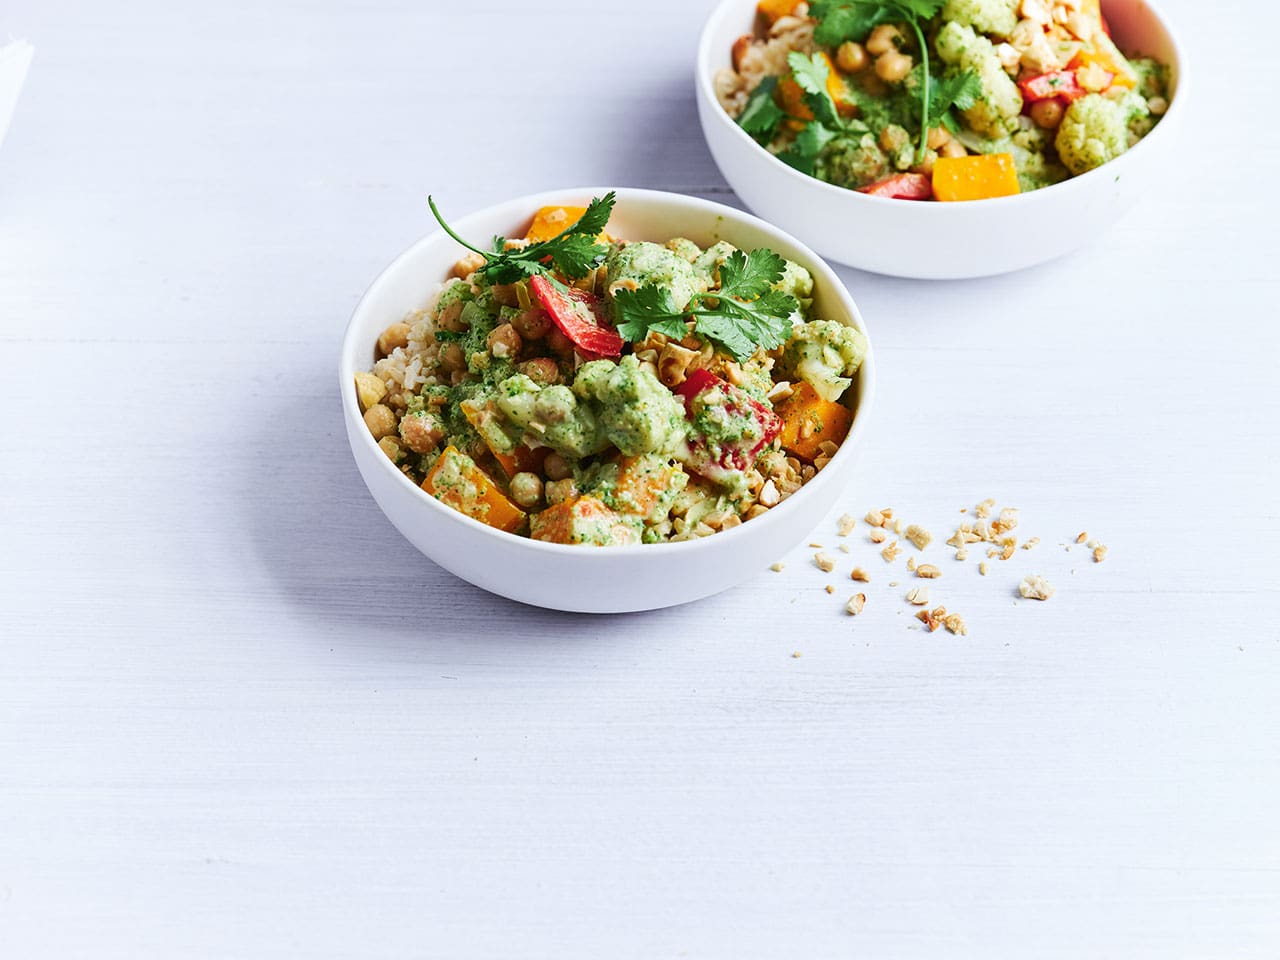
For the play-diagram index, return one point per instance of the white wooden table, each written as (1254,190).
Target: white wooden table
(240,717)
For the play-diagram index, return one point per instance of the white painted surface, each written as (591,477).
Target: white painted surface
(239,717)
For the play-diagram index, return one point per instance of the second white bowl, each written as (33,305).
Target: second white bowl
(937,241)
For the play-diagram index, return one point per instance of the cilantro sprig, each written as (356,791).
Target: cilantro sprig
(841,20)
(746,313)
(573,252)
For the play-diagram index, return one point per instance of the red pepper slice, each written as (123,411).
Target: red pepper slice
(577,314)
(903,186)
(1056,83)
(719,461)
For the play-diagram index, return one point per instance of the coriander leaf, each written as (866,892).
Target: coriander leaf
(838,22)
(761,116)
(576,254)
(749,276)
(960,90)
(594,220)
(811,74)
(648,307)
(742,328)
(810,142)
(923,9)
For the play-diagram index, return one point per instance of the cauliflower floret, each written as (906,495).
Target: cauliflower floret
(825,354)
(650,263)
(798,282)
(707,264)
(1093,131)
(997,109)
(637,413)
(996,17)
(684,248)
(853,163)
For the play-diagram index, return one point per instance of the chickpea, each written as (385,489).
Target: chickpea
(893,67)
(391,447)
(558,491)
(504,342)
(468,265)
(1047,113)
(883,39)
(380,420)
(526,490)
(505,294)
(369,389)
(396,335)
(560,345)
(532,324)
(422,433)
(925,166)
(893,138)
(541,370)
(851,57)
(449,317)
(953,148)
(556,467)
(451,358)
(938,137)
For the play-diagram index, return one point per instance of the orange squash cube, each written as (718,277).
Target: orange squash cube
(975,177)
(641,483)
(582,520)
(808,421)
(1101,52)
(552,221)
(775,10)
(456,481)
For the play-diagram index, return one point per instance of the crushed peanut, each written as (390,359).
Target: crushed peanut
(878,536)
(982,568)
(844,548)
(856,603)
(1030,543)
(1084,535)
(875,518)
(962,554)
(860,575)
(928,571)
(984,508)
(1035,587)
(955,624)
(776,567)
(830,588)
(911,563)
(890,553)
(919,536)
(1099,553)
(845,525)
(918,595)
(826,563)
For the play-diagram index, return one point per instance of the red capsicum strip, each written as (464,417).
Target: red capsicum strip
(569,309)
(904,186)
(1047,86)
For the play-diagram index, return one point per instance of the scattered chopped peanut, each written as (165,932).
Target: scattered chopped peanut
(890,553)
(878,536)
(928,571)
(1099,553)
(982,568)
(830,588)
(1030,543)
(777,567)
(826,563)
(919,536)
(1035,587)
(911,563)
(875,518)
(845,525)
(1084,535)
(918,595)
(860,575)
(856,603)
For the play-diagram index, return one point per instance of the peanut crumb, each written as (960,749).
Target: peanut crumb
(1084,535)
(911,563)
(1030,543)
(826,563)
(878,536)
(955,624)
(797,655)
(890,553)
(844,548)
(776,567)
(875,518)
(1099,553)
(830,588)
(898,527)
(919,536)
(893,583)
(930,619)
(1008,518)
(918,595)
(962,554)
(845,525)
(816,546)
(928,571)
(1007,552)
(984,508)
(982,568)
(855,604)
(860,575)
(1035,587)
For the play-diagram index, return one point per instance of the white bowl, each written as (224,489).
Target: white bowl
(937,241)
(15,59)
(581,578)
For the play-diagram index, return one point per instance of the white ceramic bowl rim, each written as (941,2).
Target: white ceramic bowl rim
(354,347)
(706,80)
